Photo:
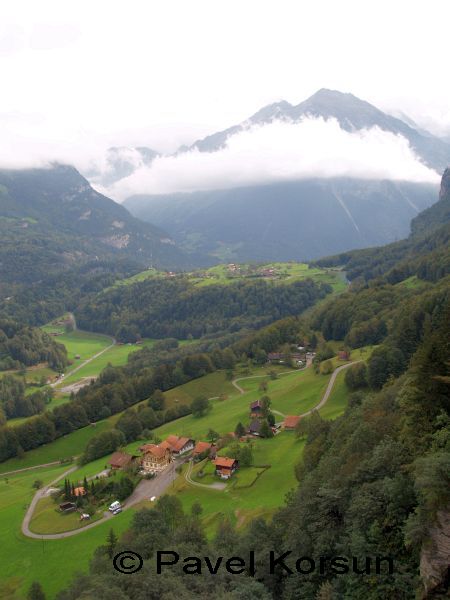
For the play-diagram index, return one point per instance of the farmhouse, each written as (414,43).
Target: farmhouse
(204,448)
(119,460)
(291,422)
(155,458)
(79,491)
(255,427)
(256,408)
(225,467)
(178,445)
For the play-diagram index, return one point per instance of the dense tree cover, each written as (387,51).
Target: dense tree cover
(14,402)
(370,484)
(160,308)
(23,345)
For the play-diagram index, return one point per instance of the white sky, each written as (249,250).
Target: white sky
(77,77)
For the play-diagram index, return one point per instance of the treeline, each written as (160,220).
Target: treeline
(21,345)
(113,392)
(14,402)
(160,308)
(372,484)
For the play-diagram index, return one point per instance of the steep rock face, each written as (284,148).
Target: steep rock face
(435,558)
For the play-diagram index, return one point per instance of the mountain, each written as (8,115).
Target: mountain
(120,162)
(52,218)
(297,220)
(302,219)
(425,253)
(351,113)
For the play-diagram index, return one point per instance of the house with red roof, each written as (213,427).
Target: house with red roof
(178,445)
(290,422)
(204,449)
(225,467)
(119,460)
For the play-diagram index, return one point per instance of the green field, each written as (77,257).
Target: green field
(25,559)
(82,343)
(47,518)
(221,274)
(52,562)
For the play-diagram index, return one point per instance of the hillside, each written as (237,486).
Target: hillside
(425,253)
(305,217)
(52,219)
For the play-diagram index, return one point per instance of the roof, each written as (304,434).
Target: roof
(291,421)
(79,491)
(201,447)
(156,451)
(120,459)
(255,426)
(256,404)
(175,443)
(223,462)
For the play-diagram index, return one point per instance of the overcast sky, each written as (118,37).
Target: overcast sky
(77,77)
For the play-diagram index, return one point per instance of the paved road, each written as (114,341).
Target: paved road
(213,486)
(60,381)
(144,491)
(329,387)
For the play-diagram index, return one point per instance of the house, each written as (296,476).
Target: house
(256,408)
(79,491)
(291,422)
(155,458)
(67,506)
(225,467)
(178,445)
(255,427)
(119,460)
(343,355)
(204,448)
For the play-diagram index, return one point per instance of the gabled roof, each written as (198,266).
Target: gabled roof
(201,447)
(291,421)
(223,462)
(154,450)
(175,443)
(256,404)
(79,491)
(120,459)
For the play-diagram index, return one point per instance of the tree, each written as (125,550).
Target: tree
(326,367)
(196,509)
(356,376)
(212,435)
(35,592)
(200,406)
(240,430)
(271,419)
(111,543)
(266,430)
(265,402)
(263,386)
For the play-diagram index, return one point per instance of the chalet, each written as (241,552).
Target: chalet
(255,427)
(290,422)
(119,460)
(79,491)
(343,355)
(204,449)
(155,458)
(225,467)
(256,408)
(178,445)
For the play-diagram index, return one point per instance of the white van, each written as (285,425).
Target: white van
(114,506)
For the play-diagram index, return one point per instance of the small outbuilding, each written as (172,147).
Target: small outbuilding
(291,422)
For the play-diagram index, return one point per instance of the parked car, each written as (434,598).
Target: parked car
(114,506)
(117,511)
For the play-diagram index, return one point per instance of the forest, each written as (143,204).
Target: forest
(161,308)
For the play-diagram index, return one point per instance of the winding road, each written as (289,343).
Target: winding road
(158,485)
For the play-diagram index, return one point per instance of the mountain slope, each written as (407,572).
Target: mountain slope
(52,218)
(299,220)
(351,113)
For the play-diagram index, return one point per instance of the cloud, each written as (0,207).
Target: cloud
(280,151)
